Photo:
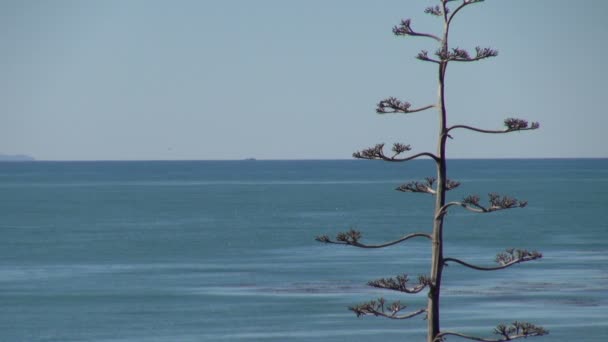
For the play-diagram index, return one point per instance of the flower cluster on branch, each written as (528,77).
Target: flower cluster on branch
(462,55)
(450,184)
(511,256)
(505,259)
(511,125)
(377,152)
(457,55)
(514,124)
(393,105)
(427,186)
(405,29)
(514,331)
(379,307)
(434,10)
(424,56)
(399,148)
(519,329)
(497,202)
(352,238)
(400,283)
(504,202)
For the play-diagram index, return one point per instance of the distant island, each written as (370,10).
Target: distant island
(15,158)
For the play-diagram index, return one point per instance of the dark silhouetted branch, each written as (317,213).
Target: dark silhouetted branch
(511,332)
(377,153)
(511,125)
(505,259)
(400,283)
(352,237)
(379,308)
(393,105)
(404,29)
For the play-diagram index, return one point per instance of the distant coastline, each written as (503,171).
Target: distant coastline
(15,158)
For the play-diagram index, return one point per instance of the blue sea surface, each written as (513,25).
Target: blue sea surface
(225,250)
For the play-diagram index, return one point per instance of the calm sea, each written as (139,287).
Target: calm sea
(225,250)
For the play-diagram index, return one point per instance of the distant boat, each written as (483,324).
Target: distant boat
(250,159)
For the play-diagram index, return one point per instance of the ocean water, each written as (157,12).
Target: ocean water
(225,250)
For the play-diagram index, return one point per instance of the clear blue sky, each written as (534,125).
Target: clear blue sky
(277,79)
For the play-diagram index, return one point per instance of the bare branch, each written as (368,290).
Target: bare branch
(505,259)
(426,187)
(377,153)
(399,283)
(404,29)
(396,106)
(511,125)
(514,331)
(461,6)
(352,237)
(444,209)
(379,308)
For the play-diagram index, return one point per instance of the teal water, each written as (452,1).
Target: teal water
(225,250)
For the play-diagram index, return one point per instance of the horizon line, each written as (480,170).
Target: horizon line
(286,159)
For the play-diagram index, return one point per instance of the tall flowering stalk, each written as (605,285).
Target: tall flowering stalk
(438,186)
